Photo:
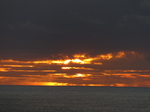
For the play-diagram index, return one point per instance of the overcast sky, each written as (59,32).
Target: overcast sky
(39,28)
(38,40)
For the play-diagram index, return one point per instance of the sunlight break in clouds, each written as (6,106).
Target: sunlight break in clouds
(112,69)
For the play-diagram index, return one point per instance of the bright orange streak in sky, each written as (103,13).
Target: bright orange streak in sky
(54,84)
(83,68)
(17,65)
(4,69)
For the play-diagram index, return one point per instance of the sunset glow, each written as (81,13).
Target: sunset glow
(113,69)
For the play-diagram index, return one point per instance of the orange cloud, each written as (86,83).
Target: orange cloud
(120,69)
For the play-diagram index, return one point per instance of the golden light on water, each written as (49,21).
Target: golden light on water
(122,69)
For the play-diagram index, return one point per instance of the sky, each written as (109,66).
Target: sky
(112,35)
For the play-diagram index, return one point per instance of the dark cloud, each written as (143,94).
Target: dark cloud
(145,4)
(31,26)
(37,29)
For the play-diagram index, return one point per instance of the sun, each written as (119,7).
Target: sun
(73,61)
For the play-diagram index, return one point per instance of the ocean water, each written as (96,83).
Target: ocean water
(73,99)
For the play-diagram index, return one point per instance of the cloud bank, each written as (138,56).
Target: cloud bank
(113,69)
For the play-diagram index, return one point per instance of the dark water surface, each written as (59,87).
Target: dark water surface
(73,99)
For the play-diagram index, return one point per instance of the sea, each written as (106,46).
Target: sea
(74,99)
